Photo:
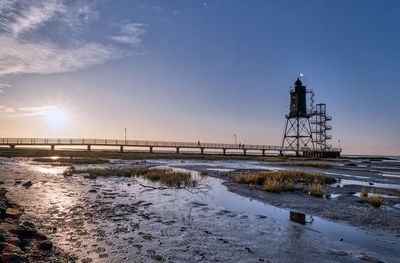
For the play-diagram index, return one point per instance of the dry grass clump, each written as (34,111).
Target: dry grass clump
(72,160)
(164,176)
(170,178)
(316,190)
(314,164)
(276,186)
(203,173)
(364,192)
(279,181)
(374,201)
(124,172)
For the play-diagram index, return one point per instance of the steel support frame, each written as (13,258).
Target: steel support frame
(297,134)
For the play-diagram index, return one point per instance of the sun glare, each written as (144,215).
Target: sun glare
(56,117)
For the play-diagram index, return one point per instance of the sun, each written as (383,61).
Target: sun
(56,117)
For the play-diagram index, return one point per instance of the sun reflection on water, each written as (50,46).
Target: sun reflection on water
(49,169)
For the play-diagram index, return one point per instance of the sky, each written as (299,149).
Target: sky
(199,70)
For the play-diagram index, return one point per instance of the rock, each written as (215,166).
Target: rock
(337,252)
(13,213)
(139,246)
(157,257)
(45,244)
(27,184)
(13,253)
(249,250)
(103,255)
(134,225)
(26,230)
(90,176)
(365,257)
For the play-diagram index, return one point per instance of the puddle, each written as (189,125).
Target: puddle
(233,202)
(335,196)
(374,184)
(369,194)
(347,175)
(221,170)
(390,175)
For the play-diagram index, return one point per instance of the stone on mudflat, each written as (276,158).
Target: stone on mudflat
(27,184)
(13,213)
(45,244)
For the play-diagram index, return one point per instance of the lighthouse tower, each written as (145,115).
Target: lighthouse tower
(297,135)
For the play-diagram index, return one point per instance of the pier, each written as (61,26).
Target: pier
(151,146)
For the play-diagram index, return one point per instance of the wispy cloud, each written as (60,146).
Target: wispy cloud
(24,50)
(30,16)
(131,34)
(47,58)
(6,109)
(33,111)
(158,8)
(3,86)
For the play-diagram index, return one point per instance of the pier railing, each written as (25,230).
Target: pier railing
(142,143)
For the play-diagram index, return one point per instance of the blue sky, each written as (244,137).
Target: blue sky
(199,70)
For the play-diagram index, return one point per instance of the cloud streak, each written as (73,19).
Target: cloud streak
(32,16)
(47,58)
(131,34)
(6,109)
(24,50)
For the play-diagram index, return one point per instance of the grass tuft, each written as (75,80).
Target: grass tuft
(349,164)
(280,181)
(293,176)
(364,192)
(316,190)
(276,186)
(164,176)
(203,173)
(374,201)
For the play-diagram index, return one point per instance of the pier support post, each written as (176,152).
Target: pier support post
(177,149)
(151,149)
(121,149)
(89,148)
(280,153)
(201,150)
(224,151)
(12,146)
(52,147)
(244,152)
(263,152)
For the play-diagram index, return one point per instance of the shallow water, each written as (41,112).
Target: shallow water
(97,218)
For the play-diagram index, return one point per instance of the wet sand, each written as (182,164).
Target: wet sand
(114,219)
